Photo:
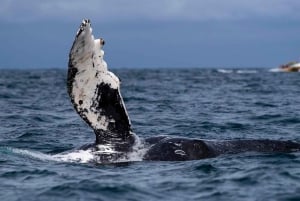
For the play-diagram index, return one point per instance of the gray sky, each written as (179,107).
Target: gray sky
(157,33)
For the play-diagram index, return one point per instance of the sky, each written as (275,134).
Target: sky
(156,33)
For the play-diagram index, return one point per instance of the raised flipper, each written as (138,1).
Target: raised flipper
(95,91)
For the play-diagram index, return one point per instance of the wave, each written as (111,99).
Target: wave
(225,71)
(27,153)
(246,71)
(275,70)
(236,71)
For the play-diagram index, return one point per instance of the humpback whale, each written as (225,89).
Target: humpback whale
(96,96)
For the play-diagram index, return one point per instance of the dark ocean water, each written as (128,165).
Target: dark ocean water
(38,122)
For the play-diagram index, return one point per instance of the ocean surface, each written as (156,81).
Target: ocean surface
(39,129)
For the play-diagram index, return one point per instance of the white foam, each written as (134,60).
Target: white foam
(225,71)
(246,71)
(87,156)
(32,154)
(241,71)
(84,156)
(79,156)
(137,153)
(275,70)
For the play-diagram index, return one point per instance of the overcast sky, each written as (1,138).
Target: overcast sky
(157,33)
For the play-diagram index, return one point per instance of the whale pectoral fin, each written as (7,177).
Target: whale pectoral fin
(95,91)
(109,105)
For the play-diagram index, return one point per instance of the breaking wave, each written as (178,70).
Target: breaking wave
(238,71)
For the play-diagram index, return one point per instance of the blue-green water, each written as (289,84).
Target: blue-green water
(38,122)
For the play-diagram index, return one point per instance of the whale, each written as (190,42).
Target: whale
(95,94)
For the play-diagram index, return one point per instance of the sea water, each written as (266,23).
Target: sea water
(40,130)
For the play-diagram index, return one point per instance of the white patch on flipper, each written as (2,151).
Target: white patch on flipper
(180,152)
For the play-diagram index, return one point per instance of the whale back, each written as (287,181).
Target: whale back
(95,91)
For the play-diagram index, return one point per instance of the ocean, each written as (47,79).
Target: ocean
(38,125)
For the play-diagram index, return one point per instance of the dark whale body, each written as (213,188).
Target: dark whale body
(180,149)
(95,95)
(163,148)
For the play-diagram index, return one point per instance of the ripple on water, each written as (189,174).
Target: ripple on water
(37,118)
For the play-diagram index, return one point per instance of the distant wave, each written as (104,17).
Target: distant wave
(237,71)
(246,71)
(225,71)
(275,70)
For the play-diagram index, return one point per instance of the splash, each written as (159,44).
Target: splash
(28,154)
(104,151)
(238,71)
(137,153)
(225,71)
(81,156)
(77,156)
